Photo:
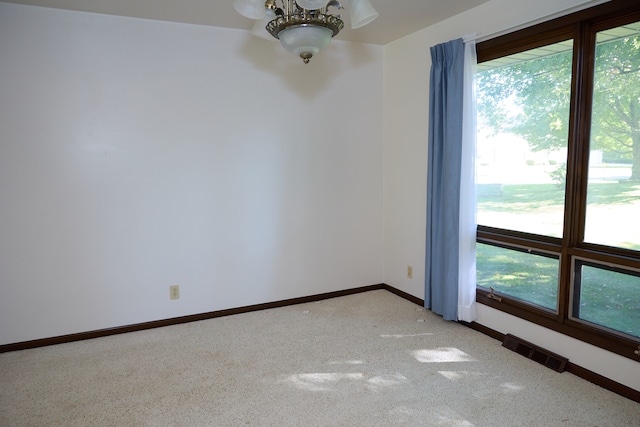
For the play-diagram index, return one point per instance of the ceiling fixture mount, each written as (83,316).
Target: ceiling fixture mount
(302,26)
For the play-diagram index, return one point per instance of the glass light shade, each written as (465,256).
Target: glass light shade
(252,9)
(311,4)
(361,13)
(259,27)
(305,40)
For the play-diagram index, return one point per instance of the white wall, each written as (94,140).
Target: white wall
(138,154)
(406,110)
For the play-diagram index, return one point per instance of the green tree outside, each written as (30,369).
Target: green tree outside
(532,99)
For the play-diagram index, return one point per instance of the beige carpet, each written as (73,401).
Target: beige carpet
(371,359)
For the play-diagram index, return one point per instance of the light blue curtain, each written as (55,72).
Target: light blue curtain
(443,178)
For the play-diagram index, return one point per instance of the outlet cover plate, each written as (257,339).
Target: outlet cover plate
(174,292)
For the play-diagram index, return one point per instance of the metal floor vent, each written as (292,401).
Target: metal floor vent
(533,352)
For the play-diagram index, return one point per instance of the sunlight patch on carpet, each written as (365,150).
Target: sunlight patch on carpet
(426,334)
(347,362)
(460,375)
(442,355)
(511,387)
(328,381)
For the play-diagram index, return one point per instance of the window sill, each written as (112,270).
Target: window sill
(621,345)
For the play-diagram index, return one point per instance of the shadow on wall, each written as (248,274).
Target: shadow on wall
(311,79)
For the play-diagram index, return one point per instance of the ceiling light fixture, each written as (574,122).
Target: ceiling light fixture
(302,26)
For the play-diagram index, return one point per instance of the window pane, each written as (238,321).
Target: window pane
(613,195)
(523,112)
(609,298)
(526,276)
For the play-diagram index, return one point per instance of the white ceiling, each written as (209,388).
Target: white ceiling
(397,18)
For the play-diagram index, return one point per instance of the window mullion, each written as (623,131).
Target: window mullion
(577,158)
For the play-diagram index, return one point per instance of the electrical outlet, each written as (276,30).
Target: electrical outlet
(409,272)
(174,292)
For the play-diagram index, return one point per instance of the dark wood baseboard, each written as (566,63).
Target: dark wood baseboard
(572,368)
(485,330)
(404,295)
(576,370)
(62,339)
(604,382)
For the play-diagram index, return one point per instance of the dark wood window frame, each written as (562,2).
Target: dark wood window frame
(582,28)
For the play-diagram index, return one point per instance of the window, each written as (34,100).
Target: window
(613,189)
(607,296)
(559,175)
(522,139)
(520,273)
